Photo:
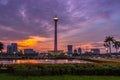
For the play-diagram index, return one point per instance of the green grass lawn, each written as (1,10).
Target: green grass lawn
(64,77)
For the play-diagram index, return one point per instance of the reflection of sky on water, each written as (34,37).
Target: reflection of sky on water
(41,61)
(6,62)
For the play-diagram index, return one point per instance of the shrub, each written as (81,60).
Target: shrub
(61,69)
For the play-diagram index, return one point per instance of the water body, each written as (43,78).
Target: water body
(47,61)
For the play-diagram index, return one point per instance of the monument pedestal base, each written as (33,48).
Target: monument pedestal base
(56,52)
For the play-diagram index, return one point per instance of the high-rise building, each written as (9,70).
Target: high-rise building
(9,49)
(13,48)
(95,51)
(75,51)
(79,51)
(69,47)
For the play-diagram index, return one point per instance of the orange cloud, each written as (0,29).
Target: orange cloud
(31,42)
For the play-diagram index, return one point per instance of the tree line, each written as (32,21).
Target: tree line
(1,46)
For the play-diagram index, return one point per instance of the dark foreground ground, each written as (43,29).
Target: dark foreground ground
(63,77)
(98,70)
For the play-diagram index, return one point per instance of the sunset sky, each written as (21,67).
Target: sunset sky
(82,23)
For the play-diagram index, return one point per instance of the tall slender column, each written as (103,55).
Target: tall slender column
(55,34)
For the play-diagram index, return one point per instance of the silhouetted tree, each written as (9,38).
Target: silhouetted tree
(1,46)
(109,41)
(116,45)
(106,45)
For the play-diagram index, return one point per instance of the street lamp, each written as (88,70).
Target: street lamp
(14,54)
(106,50)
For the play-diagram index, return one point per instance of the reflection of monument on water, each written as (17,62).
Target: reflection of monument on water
(56,51)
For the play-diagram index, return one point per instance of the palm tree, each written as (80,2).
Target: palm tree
(1,46)
(116,45)
(109,41)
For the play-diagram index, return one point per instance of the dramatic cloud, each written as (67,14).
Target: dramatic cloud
(81,22)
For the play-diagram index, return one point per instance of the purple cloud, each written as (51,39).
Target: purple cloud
(79,20)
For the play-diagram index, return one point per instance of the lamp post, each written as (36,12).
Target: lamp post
(106,50)
(14,54)
(55,34)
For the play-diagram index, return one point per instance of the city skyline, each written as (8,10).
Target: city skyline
(82,23)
